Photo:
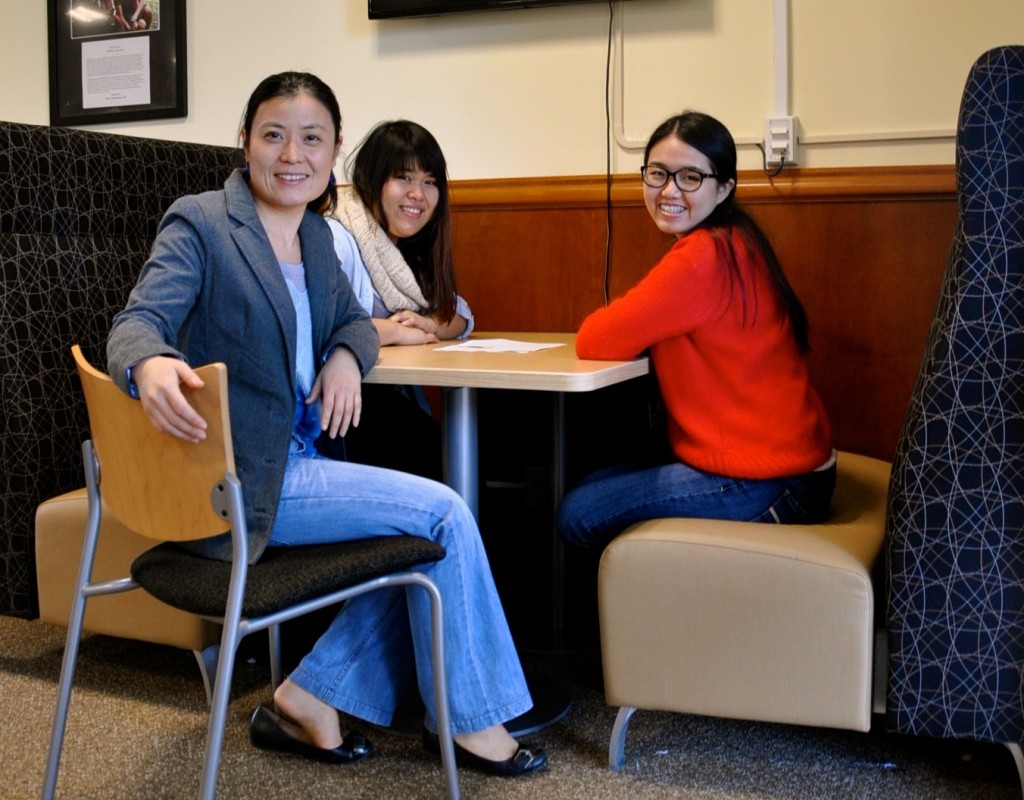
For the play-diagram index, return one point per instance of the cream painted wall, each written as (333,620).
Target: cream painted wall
(521,93)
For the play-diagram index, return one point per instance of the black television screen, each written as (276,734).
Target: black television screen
(385,9)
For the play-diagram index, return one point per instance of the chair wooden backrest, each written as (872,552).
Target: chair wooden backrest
(156,484)
(172,490)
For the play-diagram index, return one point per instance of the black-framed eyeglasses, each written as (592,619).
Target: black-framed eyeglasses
(688,179)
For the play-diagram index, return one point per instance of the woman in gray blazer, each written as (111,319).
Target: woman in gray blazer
(248,275)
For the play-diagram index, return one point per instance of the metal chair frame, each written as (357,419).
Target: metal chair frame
(226,501)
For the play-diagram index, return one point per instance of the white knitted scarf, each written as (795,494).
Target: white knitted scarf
(391,275)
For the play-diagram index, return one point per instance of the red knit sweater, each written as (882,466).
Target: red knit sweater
(735,386)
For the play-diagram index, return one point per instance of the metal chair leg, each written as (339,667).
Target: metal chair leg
(60,716)
(1018,759)
(75,624)
(207,659)
(617,744)
(230,637)
(444,728)
(219,708)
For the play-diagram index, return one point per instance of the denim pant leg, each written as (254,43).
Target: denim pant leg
(363,662)
(607,503)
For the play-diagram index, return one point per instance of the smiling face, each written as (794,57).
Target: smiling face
(673,210)
(408,201)
(290,151)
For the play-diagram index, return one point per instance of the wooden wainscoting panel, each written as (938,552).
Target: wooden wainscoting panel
(532,269)
(868,273)
(865,249)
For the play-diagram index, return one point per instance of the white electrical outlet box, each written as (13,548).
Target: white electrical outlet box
(780,140)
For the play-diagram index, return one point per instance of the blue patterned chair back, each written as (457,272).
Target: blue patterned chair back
(955,551)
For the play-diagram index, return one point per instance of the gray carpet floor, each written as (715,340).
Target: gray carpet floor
(137,730)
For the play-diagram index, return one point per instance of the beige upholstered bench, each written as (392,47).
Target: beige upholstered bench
(751,621)
(60,529)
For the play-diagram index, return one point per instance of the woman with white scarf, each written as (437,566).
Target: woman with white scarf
(392,234)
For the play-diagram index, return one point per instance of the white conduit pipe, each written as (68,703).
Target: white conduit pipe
(780,56)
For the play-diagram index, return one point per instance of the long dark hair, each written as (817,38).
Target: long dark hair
(291,84)
(709,136)
(391,149)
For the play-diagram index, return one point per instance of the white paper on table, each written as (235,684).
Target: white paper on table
(501,346)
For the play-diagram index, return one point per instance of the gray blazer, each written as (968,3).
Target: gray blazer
(212,290)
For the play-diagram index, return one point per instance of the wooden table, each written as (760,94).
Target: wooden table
(460,374)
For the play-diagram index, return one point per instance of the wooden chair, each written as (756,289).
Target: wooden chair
(172,491)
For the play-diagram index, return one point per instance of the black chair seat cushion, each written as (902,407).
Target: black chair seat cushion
(283,577)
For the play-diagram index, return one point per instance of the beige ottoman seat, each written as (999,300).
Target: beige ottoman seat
(751,621)
(60,529)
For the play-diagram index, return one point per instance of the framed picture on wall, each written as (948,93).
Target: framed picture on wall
(116,60)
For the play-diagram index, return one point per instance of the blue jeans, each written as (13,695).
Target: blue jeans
(380,642)
(607,502)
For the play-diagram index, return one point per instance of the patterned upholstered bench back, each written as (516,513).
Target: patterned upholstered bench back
(956,502)
(78,213)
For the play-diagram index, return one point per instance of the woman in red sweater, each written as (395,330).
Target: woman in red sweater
(747,435)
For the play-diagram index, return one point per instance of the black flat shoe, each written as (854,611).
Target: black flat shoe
(523,762)
(266,731)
